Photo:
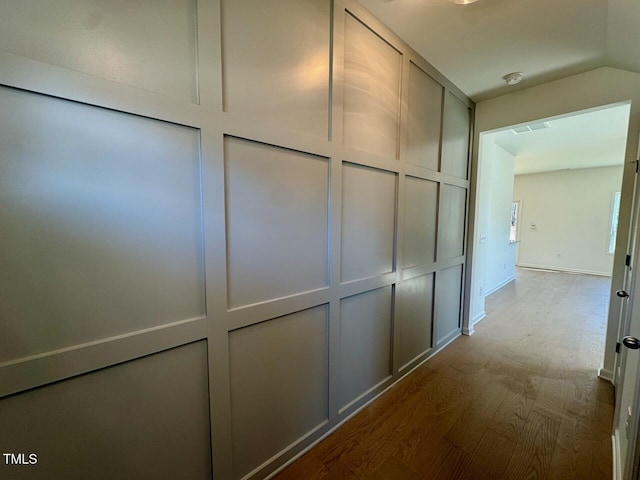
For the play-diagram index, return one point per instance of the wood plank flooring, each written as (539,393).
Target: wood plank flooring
(518,400)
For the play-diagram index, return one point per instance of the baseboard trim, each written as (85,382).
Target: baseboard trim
(563,269)
(500,285)
(605,374)
(448,339)
(468,331)
(401,375)
(480,316)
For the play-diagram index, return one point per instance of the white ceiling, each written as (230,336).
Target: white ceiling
(475,45)
(593,139)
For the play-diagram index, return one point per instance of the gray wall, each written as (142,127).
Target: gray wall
(216,244)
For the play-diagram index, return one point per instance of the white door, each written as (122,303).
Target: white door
(627,286)
(626,417)
(627,370)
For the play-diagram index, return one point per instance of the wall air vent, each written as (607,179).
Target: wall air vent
(530,128)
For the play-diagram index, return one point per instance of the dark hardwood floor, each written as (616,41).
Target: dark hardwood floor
(518,400)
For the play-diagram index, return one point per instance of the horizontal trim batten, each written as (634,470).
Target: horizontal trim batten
(37,370)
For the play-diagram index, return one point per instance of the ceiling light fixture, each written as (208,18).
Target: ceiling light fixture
(513,78)
(463,2)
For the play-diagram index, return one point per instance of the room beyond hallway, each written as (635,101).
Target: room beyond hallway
(519,399)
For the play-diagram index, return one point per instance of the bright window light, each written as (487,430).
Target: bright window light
(613,228)
(513,231)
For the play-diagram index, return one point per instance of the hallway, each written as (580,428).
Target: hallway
(519,399)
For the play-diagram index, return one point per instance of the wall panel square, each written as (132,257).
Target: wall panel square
(420,222)
(455,141)
(118,40)
(424,123)
(278,70)
(279,384)
(452,221)
(147,418)
(101,224)
(415,317)
(365,342)
(277,216)
(368,221)
(448,291)
(372,71)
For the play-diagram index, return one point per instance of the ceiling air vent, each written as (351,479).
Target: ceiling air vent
(530,128)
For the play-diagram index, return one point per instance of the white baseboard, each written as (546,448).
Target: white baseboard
(564,269)
(605,374)
(617,467)
(480,316)
(468,331)
(500,285)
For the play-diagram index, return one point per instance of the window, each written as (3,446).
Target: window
(513,232)
(613,226)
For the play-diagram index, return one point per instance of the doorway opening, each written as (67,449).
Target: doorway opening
(547,197)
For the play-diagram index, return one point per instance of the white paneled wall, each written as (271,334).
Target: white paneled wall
(226,226)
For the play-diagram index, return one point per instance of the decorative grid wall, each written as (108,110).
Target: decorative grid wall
(218,243)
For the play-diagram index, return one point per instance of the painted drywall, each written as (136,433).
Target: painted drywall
(477,294)
(501,254)
(593,89)
(495,256)
(566,218)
